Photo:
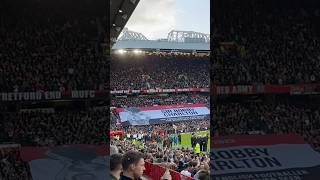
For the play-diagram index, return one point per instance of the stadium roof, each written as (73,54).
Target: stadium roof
(176,40)
(120,12)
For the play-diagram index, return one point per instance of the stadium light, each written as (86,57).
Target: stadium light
(121,51)
(137,51)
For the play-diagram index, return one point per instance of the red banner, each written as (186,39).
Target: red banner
(155,172)
(257,139)
(216,90)
(164,107)
(266,89)
(9,147)
(151,91)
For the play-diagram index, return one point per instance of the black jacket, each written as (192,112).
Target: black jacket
(112,177)
(127,178)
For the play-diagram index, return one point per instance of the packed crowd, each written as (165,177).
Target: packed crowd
(43,48)
(169,128)
(46,128)
(158,143)
(265,118)
(40,51)
(159,71)
(58,128)
(152,100)
(144,101)
(12,167)
(182,160)
(278,46)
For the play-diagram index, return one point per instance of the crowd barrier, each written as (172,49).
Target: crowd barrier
(155,172)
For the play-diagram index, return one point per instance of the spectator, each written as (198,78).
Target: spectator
(133,165)
(166,175)
(115,166)
(202,175)
(186,171)
(113,150)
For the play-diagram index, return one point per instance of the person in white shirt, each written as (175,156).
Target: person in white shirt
(186,171)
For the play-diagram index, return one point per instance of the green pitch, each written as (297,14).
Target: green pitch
(186,139)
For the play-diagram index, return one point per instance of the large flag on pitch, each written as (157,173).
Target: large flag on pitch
(264,157)
(69,162)
(162,114)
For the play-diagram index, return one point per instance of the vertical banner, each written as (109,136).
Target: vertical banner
(276,157)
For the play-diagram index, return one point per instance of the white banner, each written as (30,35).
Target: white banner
(270,157)
(144,116)
(263,158)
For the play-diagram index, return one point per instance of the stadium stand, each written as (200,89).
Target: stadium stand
(49,47)
(160,142)
(281,115)
(274,53)
(50,53)
(277,46)
(12,166)
(159,71)
(265,79)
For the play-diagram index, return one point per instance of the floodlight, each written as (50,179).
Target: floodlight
(121,51)
(137,51)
